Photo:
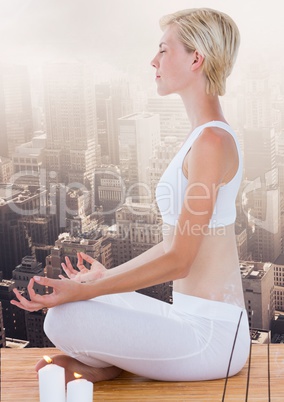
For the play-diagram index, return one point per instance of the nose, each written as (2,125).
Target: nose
(154,62)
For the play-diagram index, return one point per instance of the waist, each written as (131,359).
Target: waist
(206,308)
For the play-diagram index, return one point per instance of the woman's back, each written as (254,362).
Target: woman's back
(215,272)
(216,277)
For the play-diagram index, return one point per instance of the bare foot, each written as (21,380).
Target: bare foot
(72,365)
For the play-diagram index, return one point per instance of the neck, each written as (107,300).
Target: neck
(202,108)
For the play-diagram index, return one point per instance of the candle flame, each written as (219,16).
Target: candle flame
(77,375)
(47,359)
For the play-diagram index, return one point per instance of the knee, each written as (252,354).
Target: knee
(56,324)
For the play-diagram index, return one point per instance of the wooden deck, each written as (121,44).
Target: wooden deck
(19,382)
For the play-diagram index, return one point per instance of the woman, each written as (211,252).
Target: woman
(96,318)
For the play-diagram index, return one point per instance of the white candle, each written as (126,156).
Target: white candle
(80,390)
(51,383)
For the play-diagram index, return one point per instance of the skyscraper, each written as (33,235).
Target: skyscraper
(71,127)
(258,285)
(14,242)
(173,117)
(103,103)
(138,137)
(279,282)
(113,101)
(13,317)
(138,229)
(16,122)
(162,156)
(6,169)
(28,161)
(119,104)
(23,273)
(109,191)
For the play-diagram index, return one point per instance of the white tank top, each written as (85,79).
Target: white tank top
(171,188)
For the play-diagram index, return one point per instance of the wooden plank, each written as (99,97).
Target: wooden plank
(19,381)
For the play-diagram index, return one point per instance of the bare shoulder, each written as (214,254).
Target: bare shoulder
(216,139)
(217,148)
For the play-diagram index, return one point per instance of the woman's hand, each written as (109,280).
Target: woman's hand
(64,291)
(97,270)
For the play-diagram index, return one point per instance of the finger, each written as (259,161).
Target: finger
(20,305)
(44,281)
(17,293)
(80,258)
(30,288)
(87,258)
(24,303)
(80,263)
(70,266)
(66,270)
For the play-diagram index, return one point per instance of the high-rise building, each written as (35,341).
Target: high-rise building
(42,231)
(163,154)
(139,135)
(278,267)
(104,123)
(26,223)
(34,321)
(28,161)
(2,329)
(139,228)
(258,286)
(233,107)
(6,169)
(72,150)
(79,216)
(14,242)
(35,333)
(113,101)
(139,223)
(16,122)
(263,211)
(173,118)
(99,248)
(119,105)
(13,317)
(260,154)
(23,273)
(258,102)
(280,170)
(241,241)
(109,191)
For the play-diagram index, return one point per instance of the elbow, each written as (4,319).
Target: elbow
(181,266)
(183,272)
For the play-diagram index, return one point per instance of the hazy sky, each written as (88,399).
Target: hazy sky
(123,32)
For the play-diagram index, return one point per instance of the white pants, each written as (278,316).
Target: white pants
(187,341)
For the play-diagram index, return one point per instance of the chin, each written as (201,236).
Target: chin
(163,92)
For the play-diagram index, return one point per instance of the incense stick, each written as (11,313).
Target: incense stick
(231,356)
(249,362)
(268,355)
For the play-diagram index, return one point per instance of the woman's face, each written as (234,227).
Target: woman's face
(173,64)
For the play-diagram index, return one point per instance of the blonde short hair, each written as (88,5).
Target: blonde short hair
(215,36)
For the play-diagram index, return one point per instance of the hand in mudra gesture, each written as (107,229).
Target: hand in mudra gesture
(84,274)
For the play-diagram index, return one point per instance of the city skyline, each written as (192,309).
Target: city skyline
(88,126)
(125,33)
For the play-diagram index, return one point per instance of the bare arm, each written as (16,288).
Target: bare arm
(146,257)
(161,267)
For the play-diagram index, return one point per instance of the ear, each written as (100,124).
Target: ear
(197,60)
